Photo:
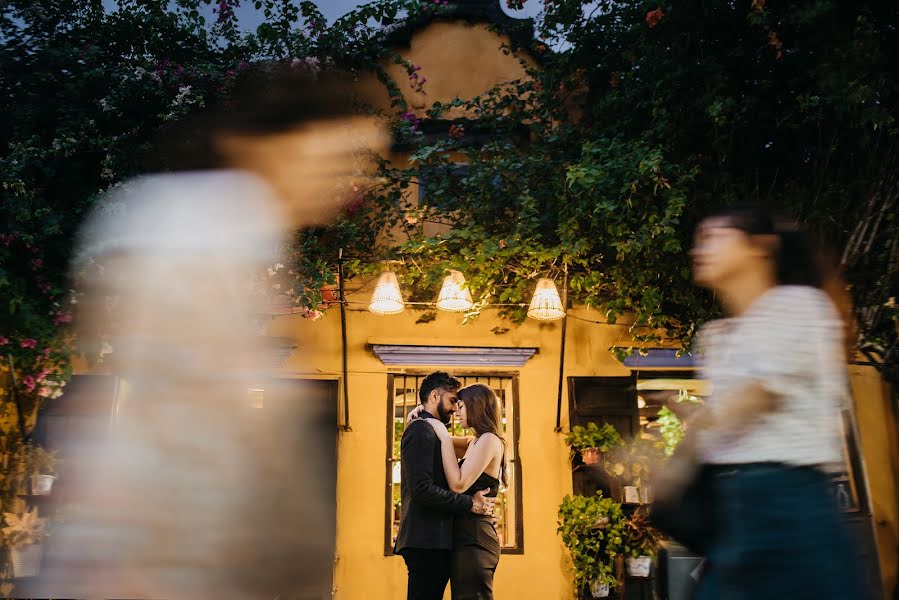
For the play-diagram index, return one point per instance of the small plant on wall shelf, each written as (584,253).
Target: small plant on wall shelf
(592,441)
(640,542)
(22,534)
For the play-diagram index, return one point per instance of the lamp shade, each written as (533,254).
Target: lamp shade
(387,298)
(546,305)
(454,295)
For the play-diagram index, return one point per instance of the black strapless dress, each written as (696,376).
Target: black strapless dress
(476,548)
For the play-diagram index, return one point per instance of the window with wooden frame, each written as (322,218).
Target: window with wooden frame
(402,397)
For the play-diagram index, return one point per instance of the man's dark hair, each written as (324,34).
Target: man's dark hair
(263,100)
(437,381)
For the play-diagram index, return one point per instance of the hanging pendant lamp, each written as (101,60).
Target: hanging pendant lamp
(546,305)
(454,295)
(387,298)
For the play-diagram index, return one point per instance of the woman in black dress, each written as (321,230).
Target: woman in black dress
(476,546)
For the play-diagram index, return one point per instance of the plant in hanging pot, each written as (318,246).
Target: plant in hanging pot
(591,530)
(22,534)
(640,543)
(592,441)
(602,586)
(330,293)
(42,468)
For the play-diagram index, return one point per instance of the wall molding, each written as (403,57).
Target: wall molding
(452,356)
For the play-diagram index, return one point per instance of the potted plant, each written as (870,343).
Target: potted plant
(22,535)
(671,429)
(640,541)
(591,528)
(601,587)
(592,441)
(42,468)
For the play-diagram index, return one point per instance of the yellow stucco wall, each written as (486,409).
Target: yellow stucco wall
(877,430)
(459,60)
(362,570)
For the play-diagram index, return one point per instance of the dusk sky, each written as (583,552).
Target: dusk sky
(333,9)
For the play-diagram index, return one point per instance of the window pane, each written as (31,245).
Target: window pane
(405,398)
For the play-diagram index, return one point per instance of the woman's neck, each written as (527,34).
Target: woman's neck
(741,292)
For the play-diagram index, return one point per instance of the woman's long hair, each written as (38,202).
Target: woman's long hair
(484,414)
(798,259)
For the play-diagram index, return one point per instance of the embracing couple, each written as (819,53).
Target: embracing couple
(449,487)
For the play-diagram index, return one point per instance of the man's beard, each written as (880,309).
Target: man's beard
(444,415)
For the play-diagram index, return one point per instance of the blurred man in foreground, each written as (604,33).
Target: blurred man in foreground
(194,495)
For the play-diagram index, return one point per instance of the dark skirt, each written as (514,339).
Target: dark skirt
(475,555)
(778,535)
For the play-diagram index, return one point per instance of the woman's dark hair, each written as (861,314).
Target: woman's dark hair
(263,100)
(798,258)
(484,414)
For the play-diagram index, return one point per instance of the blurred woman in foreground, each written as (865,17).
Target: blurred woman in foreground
(777,375)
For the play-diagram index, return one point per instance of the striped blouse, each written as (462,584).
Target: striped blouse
(790,342)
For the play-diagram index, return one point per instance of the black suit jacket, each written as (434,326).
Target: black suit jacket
(426,516)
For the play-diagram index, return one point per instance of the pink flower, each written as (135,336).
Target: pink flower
(46,352)
(45,392)
(29,383)
(37,263)
(61,318)
(3,340)
(29,343)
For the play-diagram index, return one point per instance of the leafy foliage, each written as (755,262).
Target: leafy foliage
(592,529)
(592,435)
(639,537)
(671,428)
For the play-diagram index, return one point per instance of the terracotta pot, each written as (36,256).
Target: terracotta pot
(591,456)
(330,294)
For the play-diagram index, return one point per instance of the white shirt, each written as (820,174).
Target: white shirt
(168,510)
(790,342)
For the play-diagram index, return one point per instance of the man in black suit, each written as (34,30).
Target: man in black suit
(425,538)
